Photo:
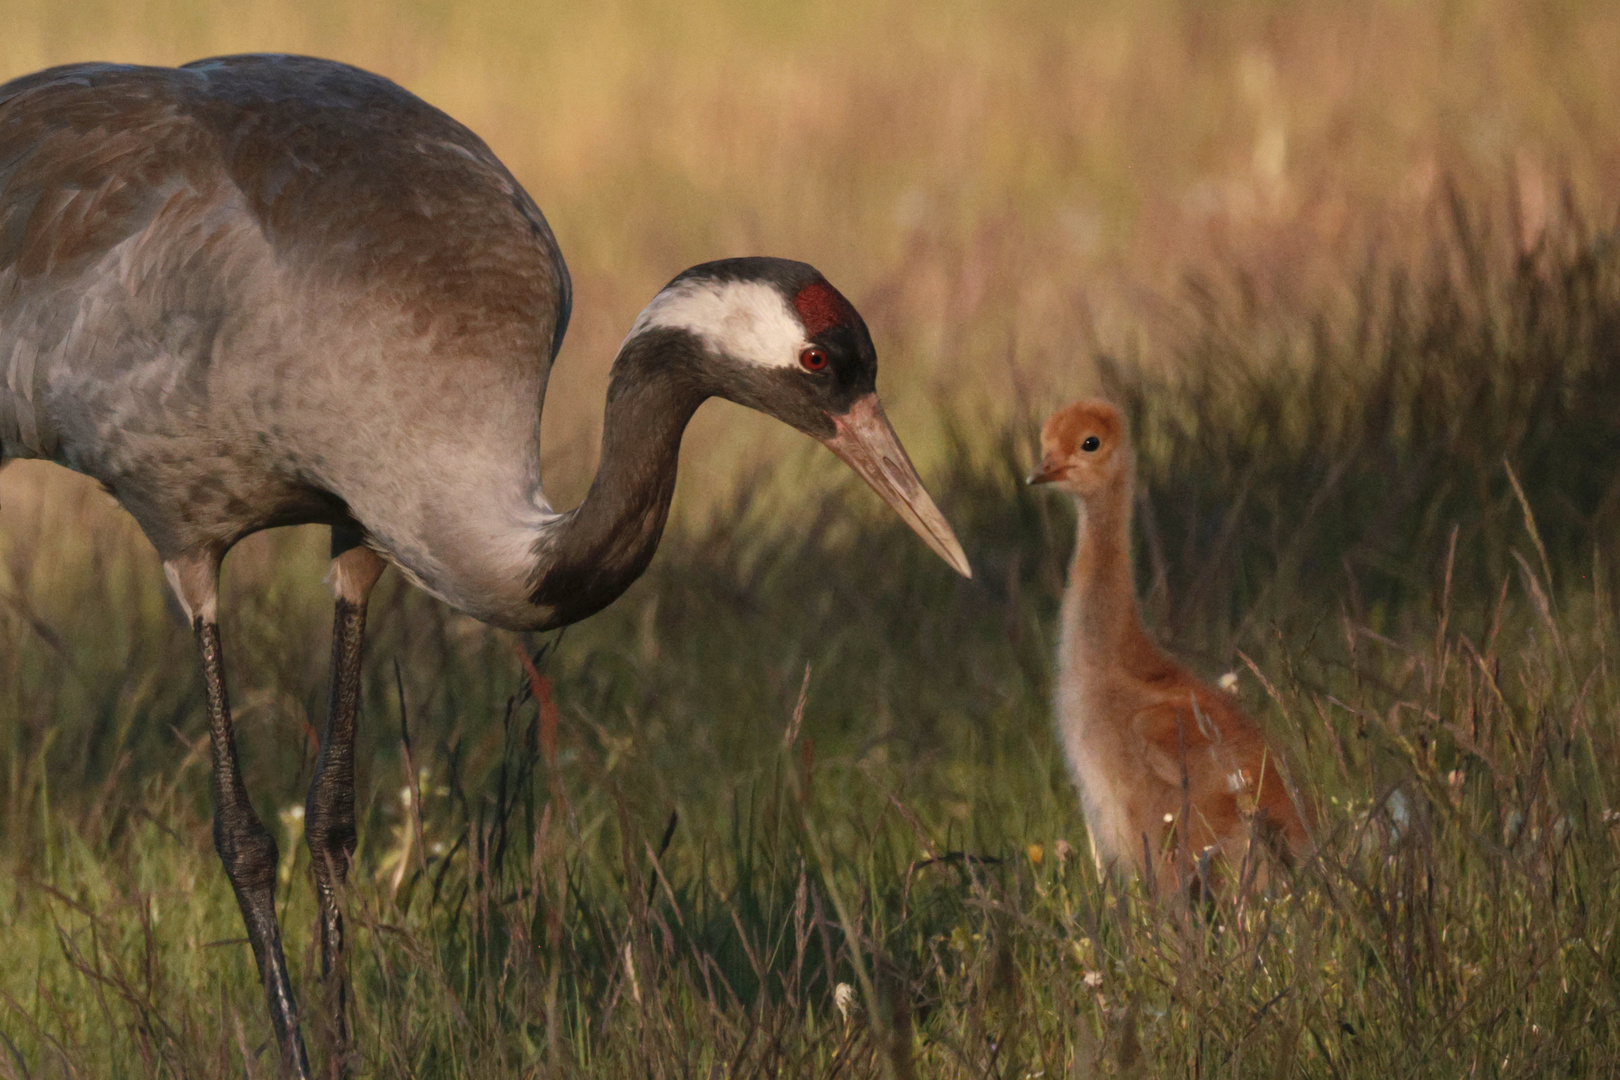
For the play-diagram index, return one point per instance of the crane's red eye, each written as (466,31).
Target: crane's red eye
(813,359)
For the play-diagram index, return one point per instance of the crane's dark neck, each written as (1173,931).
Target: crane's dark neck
(605,543)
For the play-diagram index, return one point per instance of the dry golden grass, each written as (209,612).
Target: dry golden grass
(1002,189)
(997,186)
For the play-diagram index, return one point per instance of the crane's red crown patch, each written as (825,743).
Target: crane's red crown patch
(821,306)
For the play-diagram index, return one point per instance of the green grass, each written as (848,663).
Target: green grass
(677,888)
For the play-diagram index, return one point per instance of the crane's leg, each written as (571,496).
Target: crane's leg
(245,846)
(329,810)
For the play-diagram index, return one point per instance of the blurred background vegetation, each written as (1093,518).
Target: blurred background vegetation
(998,186)
(1351,269)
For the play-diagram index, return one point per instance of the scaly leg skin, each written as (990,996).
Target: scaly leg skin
(329,810)
(245,846)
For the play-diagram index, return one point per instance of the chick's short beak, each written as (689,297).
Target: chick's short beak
(1046,473)
(865,441)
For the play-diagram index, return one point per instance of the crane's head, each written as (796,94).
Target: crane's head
(773,335)
(1084,448)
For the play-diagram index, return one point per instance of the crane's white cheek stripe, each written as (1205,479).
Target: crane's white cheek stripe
(746,320)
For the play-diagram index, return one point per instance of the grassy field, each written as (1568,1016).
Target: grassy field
(792,807)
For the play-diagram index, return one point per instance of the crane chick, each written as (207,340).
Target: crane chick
(1170,772)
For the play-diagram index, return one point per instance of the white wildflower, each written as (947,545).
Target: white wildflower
(844,998)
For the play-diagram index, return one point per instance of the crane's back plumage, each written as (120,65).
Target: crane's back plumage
(258,291)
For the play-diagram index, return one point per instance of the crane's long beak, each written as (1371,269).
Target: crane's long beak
(867,443)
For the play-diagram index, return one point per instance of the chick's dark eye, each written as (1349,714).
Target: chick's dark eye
(813,359)
(1091,443)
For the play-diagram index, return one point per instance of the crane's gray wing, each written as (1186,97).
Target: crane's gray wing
(268,290)
(86,155)
(352,180)
(353,176)
(89,156)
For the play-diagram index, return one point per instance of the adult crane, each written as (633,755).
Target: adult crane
(271,290)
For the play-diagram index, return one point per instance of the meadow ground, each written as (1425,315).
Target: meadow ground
(1352,271)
